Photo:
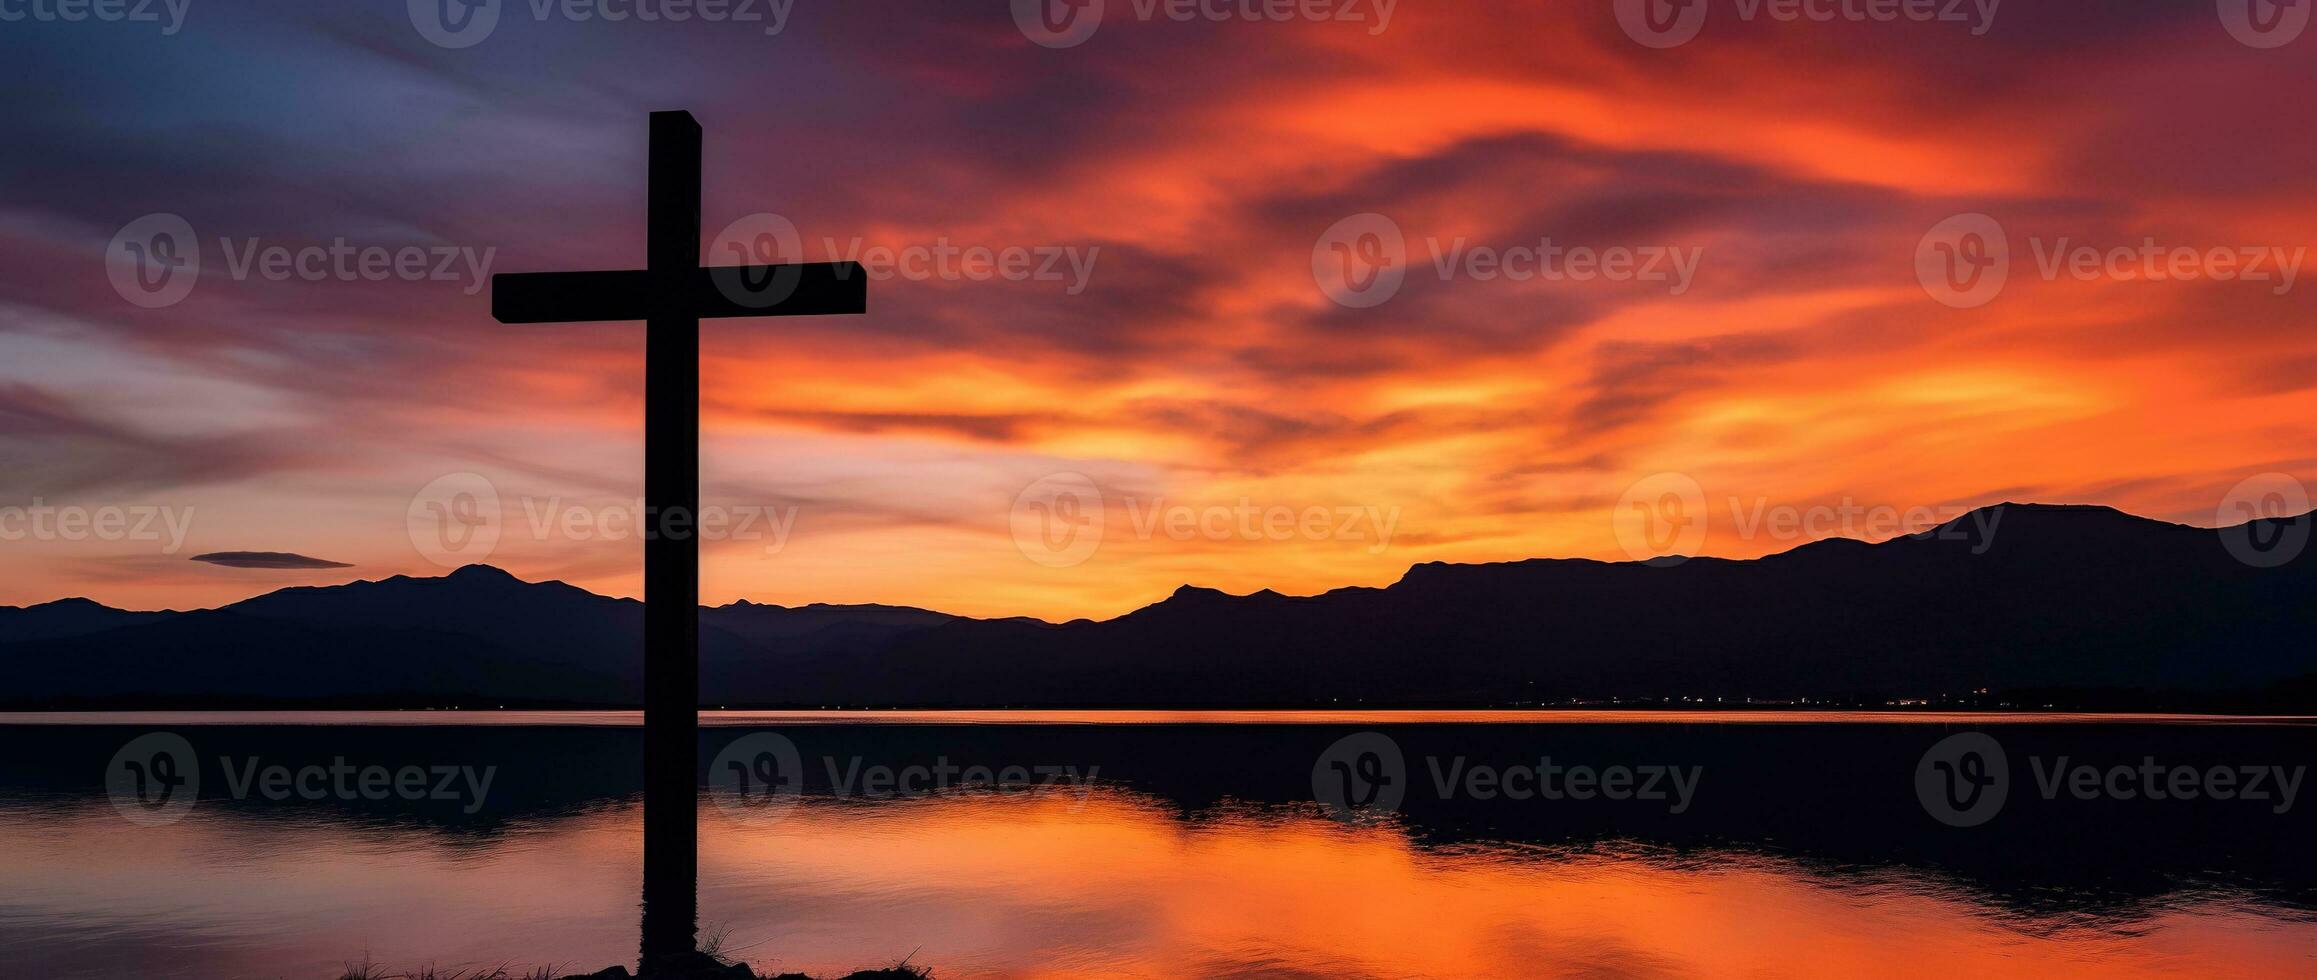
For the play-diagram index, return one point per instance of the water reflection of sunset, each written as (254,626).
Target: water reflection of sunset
(1047,885)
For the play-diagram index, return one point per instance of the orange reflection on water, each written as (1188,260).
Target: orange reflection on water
(1115,887)
(1042,885)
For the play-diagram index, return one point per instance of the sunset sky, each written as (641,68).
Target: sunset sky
(1197,367)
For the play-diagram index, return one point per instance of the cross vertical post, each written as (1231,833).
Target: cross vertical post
(671,293)
(672,555)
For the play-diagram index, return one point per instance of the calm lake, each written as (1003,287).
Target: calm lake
(1238,844)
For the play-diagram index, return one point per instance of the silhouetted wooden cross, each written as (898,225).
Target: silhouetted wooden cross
(670,294)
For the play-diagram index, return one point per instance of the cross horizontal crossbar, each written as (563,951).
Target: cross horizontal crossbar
(803,289)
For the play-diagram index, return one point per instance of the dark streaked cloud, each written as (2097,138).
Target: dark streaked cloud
(267,559)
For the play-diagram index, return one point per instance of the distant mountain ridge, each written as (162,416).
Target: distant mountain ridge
(477,635)
(2013,598)
(66,617)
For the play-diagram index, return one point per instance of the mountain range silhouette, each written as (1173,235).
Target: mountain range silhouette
(2028,602)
